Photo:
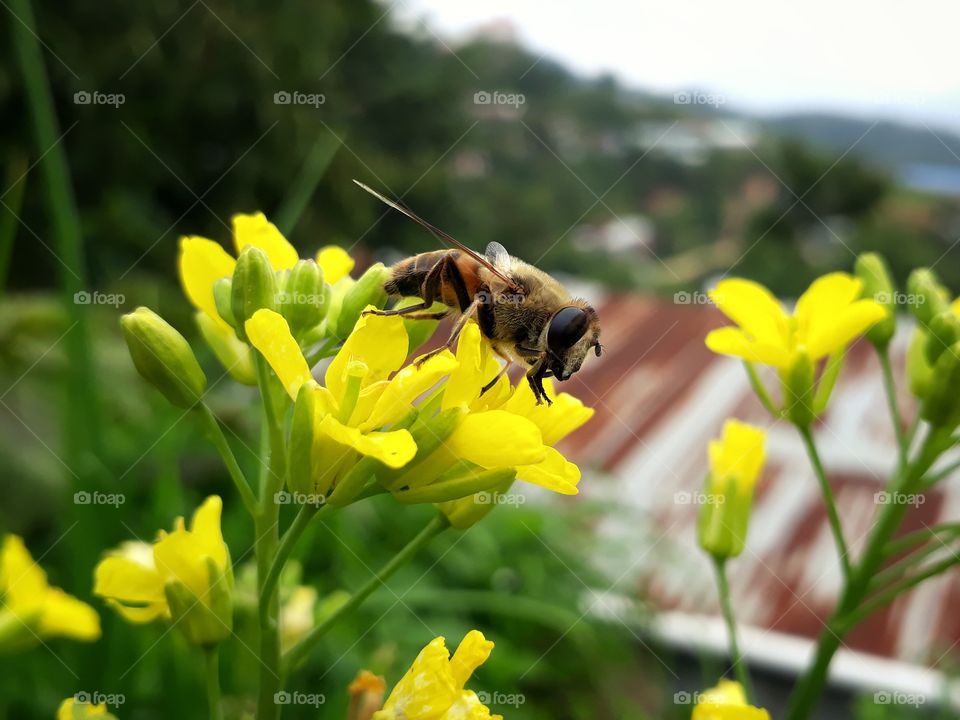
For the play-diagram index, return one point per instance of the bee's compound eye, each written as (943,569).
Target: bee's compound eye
(566,327)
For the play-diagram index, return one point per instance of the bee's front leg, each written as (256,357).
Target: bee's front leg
(535,377)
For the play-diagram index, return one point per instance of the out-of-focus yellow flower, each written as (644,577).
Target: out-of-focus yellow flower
(366,695)
(727,701)
(735,464)
(335,262)
(827,317)
(185,575)
(433,687)
(296,615)
(32,610)
(70,709)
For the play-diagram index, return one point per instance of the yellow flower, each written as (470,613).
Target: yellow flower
(358,398)
(726,701)
(335,263)
(32,610)
(433,687)
(185,575)
(827,317)
(735,464)
(70,709)
(296,615)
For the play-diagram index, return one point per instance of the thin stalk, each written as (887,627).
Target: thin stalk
(266,526)
(212,658)
(287,544)
(723,589)
(890,389)
(828,499)
(898,569)
(219,440)
(942,474)
(302,649)
(760,389)
(881,599)
(918,537)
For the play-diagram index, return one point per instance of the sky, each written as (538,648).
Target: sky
(872,58)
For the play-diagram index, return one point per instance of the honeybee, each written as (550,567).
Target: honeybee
(528,317)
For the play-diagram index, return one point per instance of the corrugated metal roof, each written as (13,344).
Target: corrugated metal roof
(660,396)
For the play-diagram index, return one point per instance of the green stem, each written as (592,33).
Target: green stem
(918,537)
(266,526)
(723,588)
(898,569)
(212,657)
(890,389)
(881,599)
(219,440)
(289,541)
(828,499)
(324,351)
(760,389)
(942,474)
(806,694)
(302,649)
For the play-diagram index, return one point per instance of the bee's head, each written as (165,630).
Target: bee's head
(572,332)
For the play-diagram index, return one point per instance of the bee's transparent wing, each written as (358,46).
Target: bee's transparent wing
(498,255)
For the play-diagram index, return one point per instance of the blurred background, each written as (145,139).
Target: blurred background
(639,151)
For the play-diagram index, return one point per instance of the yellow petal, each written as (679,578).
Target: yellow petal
(205,529)
(496,439)
(127,580)
(71,710)
(380,342)
(726,692)
(232,353)
(335,262)
(754,308)
(397,396)
(955,307)
(733,341)
(476,366)
(66,616)
(847,323)
(23,583)
(269,333)
(738,454)
(554,472)
(176,555)
(828,295)
(202,263)
(473,651)
(140,614)
(711,711)
(555,421)
(256,230)
(394,449)
(426,690)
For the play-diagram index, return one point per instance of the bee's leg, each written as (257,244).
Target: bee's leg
(440,315)
(499,375)
(399,311)
(535,376)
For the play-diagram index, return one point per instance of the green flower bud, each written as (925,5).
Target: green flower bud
(207,620)
(941,407)
(798,391)
(919,371)
(305,297)
(878,286)
(300,470)
(928,297)
(432,459)
(944,331)
(463,485)
(163,357)
(724,517)
(223,299)
(254,286)
(368,290)
(234,355)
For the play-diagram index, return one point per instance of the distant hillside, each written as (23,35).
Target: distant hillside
(892,145)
